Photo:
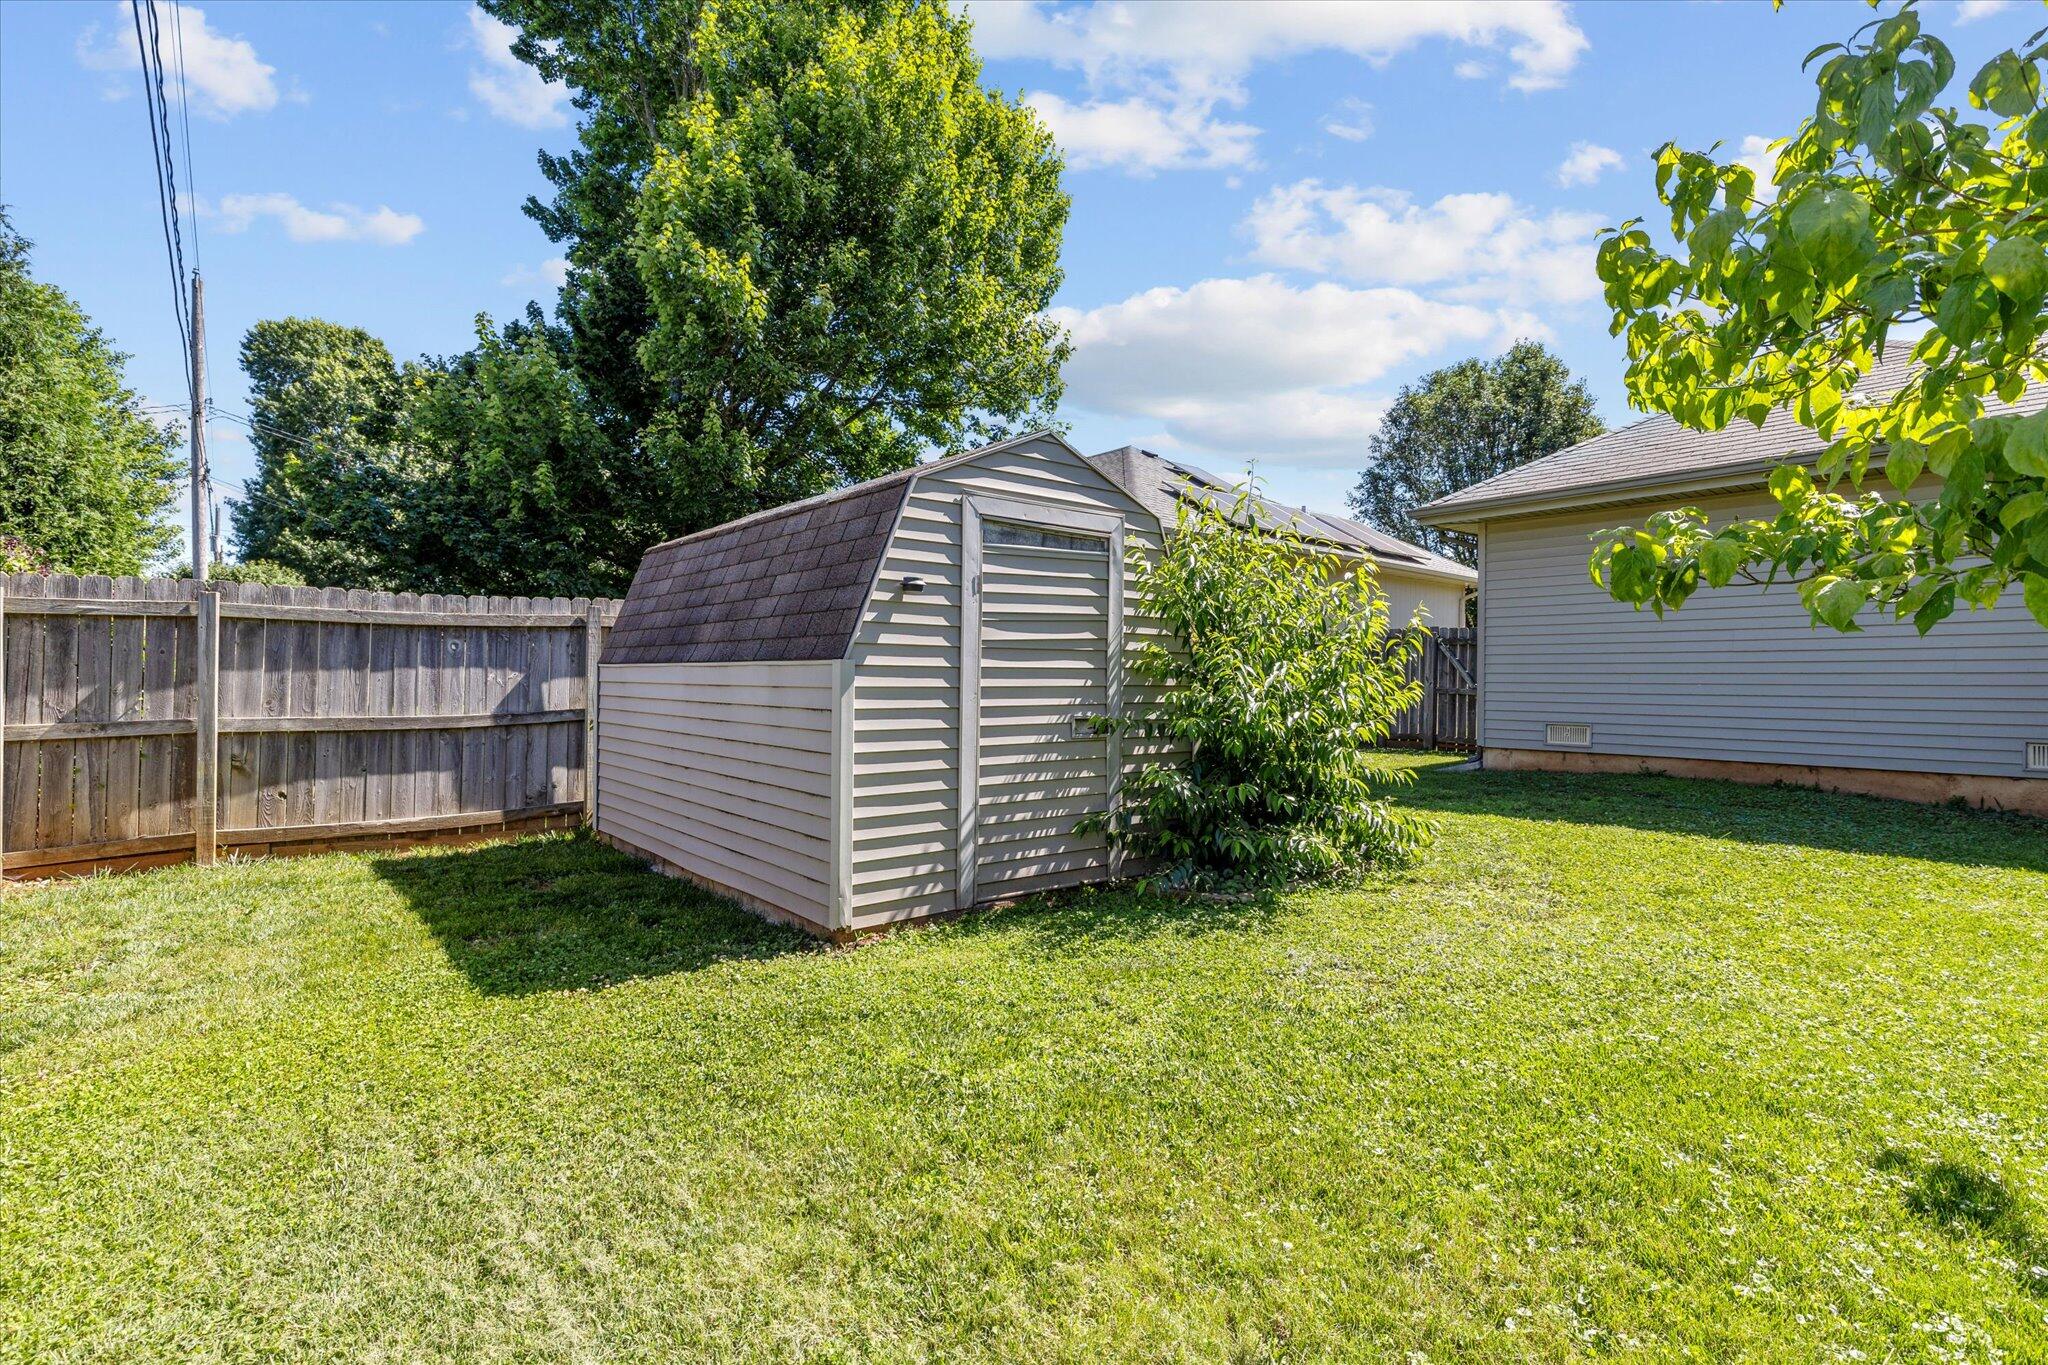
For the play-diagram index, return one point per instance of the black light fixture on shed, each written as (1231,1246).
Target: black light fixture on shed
(912,583)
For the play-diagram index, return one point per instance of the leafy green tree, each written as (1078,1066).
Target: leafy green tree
(1463,423)
(87,481)
(531,494)
(1278,683)
(629,63)
(485,473)
(334,493)
(804,243)
(1890,212)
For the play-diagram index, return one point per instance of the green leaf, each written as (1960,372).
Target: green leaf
(1962,312)
(1719,558)
(2019,269)
(1831,227)
(1838,600)
(1889,296)
(2026,444)
(1906,463)
(2006,86)
(2035,590)
(1936,609)
(2022,509)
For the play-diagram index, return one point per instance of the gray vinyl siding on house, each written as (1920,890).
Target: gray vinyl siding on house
(726,771)
(1738,674)
(906,657)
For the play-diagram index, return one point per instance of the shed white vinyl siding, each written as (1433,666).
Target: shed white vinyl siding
(906,729)
(726,771)
(1738,674)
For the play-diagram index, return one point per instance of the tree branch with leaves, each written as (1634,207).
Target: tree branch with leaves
(1890,213)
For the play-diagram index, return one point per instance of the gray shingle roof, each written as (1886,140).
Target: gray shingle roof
(1658,450)
(1160,485)
(787,584)
(781,585)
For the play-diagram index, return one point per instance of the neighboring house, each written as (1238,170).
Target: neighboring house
(865,708)
(1409,575)
(1738,683)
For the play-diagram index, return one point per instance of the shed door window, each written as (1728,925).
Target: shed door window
(1010,533)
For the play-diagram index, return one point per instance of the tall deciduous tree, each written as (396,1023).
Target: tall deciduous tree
(530,492)
(87,481)
(804,243)
(1467,422)
(333,494)
(1889,210)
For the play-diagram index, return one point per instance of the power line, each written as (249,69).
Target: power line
(157,115)
(185,122)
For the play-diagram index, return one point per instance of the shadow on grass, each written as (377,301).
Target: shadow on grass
(1793,816)
(1964,1201)
(565,913)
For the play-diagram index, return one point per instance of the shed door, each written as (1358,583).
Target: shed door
(1044,666)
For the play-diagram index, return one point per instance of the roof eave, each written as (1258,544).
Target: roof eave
(1451,514)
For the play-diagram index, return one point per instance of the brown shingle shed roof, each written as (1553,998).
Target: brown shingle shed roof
(785,584)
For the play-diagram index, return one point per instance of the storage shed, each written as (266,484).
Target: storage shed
(866,708)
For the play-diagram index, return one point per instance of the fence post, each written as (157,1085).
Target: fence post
(593,646)
(1427,667)
(206,699)
(3,729)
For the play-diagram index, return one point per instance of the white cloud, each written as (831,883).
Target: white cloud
(1470,247)
(1212,44)
(553,272)
(508,87)
(1351,120)
(1586,163)
(336,223)
(1471,71)
(1176,62)
(1249,366)
(1973,10)
(223,75)
(1142,137)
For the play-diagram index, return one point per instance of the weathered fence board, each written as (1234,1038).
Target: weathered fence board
(1447,714)
(310,714)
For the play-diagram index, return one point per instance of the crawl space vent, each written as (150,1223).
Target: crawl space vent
(1568,736)
(2037,756)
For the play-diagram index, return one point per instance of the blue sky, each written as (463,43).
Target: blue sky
(1281,213)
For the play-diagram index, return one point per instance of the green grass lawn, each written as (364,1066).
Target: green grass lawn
(1623,1066)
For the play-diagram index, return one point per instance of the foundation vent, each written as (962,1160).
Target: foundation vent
(2037,756)
(1568,736)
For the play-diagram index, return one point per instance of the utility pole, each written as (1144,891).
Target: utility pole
(202,495)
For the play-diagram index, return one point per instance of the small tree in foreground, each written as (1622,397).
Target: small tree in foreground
(1283,674)
(1889,212)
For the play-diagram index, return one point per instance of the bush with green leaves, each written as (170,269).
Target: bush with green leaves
(1283,674)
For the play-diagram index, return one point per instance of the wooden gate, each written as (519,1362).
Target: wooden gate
(1446,716)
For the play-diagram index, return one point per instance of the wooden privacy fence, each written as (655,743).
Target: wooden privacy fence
(143,721)
(1447,715)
